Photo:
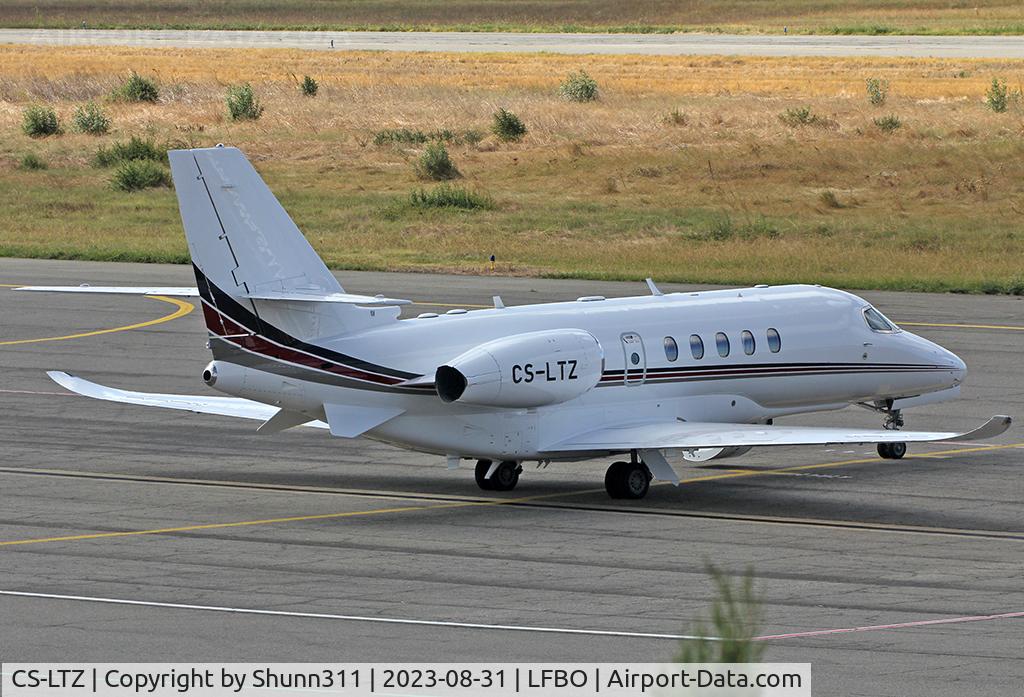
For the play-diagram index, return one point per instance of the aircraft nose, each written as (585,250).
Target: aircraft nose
(959,367)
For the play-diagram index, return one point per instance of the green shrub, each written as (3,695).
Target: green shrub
(40,121)
(135,149)
(405,135)
(435,163)
(135,88)
(801,116)
(735,618)
(309,86)
(31,161)
(447,196)
(242,103)
(579,87)
(998,96)
(134,175)
(878,90)
(507,126)
(676,117)
(91,119)
(888,124)
(472,136)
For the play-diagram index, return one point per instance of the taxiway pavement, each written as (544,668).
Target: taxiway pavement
(186,513)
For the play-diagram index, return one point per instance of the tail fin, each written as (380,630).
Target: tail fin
(254,269)
(239,236)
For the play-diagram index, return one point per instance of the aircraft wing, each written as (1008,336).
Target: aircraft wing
(687,435)
(222,406)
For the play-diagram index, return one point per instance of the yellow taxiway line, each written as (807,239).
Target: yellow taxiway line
(183,306)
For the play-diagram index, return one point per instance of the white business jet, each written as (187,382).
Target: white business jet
(703,373)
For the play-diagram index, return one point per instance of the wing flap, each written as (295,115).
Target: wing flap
(221,406)
(688,435)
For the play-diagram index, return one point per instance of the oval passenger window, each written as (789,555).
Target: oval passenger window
(748,342)
(774,341)
(722,341)
(696,347)
(671,349)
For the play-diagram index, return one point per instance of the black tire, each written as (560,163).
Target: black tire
(892,451)
(506,476)
(481,473)
(627,480)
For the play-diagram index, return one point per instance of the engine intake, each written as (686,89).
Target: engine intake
(524,370)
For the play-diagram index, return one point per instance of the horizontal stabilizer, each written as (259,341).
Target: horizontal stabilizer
(344,298)
(187,292)
(684,435)
(178,291)
(348,421)
(221,406)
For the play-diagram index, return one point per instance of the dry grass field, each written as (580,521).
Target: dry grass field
(682,169)
(808,16)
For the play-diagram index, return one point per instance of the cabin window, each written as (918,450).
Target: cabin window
(722,342)
(671,349)
(696,347)
(877,321)
(774,341)
(748,342)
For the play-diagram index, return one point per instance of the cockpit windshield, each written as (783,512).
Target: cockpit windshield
(878,322)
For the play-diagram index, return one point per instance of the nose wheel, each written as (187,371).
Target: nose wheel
(892,451)
(504,477)
(627,480)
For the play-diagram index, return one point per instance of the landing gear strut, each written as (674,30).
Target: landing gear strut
(504,478)
(893,451)
(628,480)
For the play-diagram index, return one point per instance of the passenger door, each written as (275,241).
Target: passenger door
(636,358)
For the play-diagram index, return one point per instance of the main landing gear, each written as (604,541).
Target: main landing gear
(892,451)
(504,478)
(628,480)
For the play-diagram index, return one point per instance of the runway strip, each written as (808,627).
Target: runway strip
(499,627)
(503,42)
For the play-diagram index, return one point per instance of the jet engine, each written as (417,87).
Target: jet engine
(524,370)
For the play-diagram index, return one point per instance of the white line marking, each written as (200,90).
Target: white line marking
(355,618)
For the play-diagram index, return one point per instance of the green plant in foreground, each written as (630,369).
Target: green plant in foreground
(507,126)
(800,116)
(40,121)
(435,163)
(579,87)
(134,175)
(447,196)
(735,619)
(243,104)
(888,124)
(91,119)
(878,90)
(309,86)
(135,88)
(31,161)
(135,149)
(998,96)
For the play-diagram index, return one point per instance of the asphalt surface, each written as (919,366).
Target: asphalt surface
(491,42)
(376,532)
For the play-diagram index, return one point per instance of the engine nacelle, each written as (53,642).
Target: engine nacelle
(259,386)
(525,370)
(705,454)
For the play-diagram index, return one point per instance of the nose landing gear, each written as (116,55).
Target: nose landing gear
(892,451)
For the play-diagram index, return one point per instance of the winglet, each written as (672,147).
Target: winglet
(653,288)
(995,426)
